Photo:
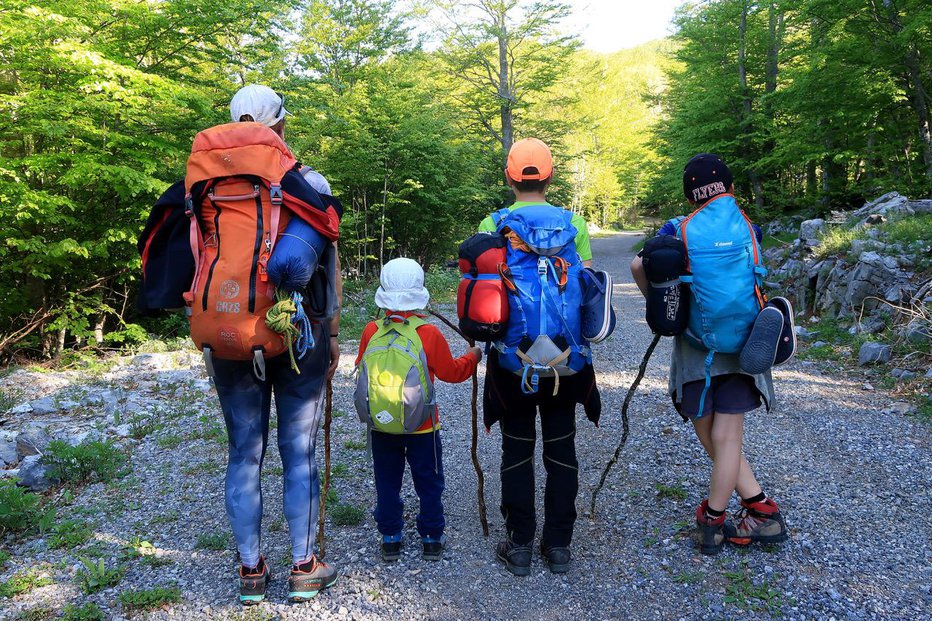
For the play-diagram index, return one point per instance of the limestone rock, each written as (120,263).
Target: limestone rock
(33,474)
(809,229)
(32,441)
(873,352)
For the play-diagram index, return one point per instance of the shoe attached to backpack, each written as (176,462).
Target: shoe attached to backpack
(760,350)
(758,522)
(544,336)
(786,348)
(394,393)
(598,314)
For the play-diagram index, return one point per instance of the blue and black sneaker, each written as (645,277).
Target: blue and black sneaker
(433,547)
(598,315)
(391,548)
(253,582)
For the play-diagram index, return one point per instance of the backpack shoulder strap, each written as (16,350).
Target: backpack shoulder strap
(498,216)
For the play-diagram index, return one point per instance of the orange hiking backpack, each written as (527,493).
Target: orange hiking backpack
(239,177)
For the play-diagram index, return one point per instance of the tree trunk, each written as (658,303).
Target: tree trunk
(753,177)
(99,329)
(504,86)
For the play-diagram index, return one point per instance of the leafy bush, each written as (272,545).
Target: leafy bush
(442,282)
(836,240)
(21,510)
(91,462)
(69,534)
(212,541)
(39,613)
(23,582)
(97,576)
(347,515)
(87,612)
(147,599)
(910,229)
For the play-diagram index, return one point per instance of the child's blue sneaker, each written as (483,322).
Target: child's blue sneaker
(391,547)
(433,547)
(598,315)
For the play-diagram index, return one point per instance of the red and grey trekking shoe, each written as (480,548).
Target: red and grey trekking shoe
(252,583)
(310,578)
(758,521)
(710,530)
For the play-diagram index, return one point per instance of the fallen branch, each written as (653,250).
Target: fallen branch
(480,476)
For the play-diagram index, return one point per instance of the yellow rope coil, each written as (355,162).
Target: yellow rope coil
(279,319)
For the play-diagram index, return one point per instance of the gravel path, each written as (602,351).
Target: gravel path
(853,483)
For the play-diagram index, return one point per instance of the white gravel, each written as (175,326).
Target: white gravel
(853,483)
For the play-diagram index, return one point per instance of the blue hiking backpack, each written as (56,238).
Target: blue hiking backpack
(725,272)
(543,277)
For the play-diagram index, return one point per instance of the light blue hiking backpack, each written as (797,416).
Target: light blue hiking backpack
(725,274)
(543,278)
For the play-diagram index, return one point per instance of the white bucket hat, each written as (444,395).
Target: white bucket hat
(402,286)
(264,105)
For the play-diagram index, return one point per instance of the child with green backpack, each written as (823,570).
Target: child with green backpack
(400,355)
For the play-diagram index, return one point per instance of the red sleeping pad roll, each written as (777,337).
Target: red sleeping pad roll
(481,299)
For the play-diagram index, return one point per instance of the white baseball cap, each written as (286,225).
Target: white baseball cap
(260,102)
(401,286)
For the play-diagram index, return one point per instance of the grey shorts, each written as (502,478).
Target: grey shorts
(734,393)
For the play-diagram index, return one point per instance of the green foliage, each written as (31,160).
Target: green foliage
(69,534)
(23,582)
(90,462)
(741,591)
(909,230)
(148,599)
(836,240)
(21,510)
(673,492)
(39,613)
(346,515)
(355,445)
(217,542)
(88,612)
(96,576)
(4,557)
(442,282)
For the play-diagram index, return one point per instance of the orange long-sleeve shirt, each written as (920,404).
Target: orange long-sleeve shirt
(440,362)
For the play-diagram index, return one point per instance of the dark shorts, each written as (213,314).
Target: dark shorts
(734,393)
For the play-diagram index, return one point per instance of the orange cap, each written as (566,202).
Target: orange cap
(529,160)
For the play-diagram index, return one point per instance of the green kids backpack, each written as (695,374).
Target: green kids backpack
(394,393)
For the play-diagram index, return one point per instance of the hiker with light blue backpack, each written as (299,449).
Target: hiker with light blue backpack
(702,276)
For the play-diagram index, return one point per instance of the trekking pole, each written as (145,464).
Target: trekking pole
(624,423)
(325,489)
(480,476)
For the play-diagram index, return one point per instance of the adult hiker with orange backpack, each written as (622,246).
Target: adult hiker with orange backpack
(528,287)
(702,276)
(253,300)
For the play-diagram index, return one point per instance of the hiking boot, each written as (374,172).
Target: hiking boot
(253,581)
(759,521)
(309,579)
(391,548)
(557,557)
(760,350)
(517,558)
(433,547)
(711,534)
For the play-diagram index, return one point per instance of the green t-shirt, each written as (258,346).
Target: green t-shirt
(583,247)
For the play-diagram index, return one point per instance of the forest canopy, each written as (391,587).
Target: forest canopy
(409,111)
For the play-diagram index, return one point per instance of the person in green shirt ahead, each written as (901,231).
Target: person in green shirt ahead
(534,192)
(529,172)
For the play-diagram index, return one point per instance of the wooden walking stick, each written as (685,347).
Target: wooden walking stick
(624,423)
(480,476)
(325,488)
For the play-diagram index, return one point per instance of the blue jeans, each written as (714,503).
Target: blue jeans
(246,404)
(424,455)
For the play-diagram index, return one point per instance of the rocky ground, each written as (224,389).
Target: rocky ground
(849,467)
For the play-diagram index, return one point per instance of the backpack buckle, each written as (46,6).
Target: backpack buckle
(542,266)
(188,205)
(275,193)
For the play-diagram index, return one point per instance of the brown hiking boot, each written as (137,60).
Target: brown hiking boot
(308,579)
(759,521)
(711,536)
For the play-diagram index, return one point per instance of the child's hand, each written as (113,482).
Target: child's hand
(478,352)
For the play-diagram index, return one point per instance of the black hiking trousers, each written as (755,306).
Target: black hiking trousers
(519,438)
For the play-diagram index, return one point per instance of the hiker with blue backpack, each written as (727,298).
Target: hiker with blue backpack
(400,357)
(702,276)
(539,305)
